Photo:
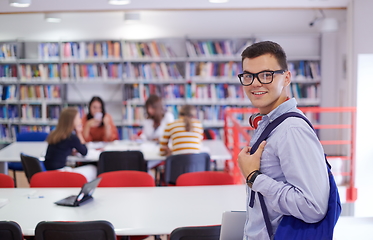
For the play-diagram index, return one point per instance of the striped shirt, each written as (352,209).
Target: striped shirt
(182,142)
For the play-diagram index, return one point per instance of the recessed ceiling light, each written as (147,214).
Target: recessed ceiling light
(52,17)
(19,3)
(119,2)
(218,1)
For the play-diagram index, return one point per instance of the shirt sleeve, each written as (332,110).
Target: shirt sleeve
(305,191)
(75,143)
(114,130)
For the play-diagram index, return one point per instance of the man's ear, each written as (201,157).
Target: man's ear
(287,78)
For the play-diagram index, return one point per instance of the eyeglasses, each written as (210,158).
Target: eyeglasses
(264,77)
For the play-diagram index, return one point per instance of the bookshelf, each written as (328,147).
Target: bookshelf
(38,79)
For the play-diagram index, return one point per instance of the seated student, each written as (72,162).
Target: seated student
(97,124)
(186,134)
(63,140)
(157,120)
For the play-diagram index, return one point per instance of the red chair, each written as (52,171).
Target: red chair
(204,178)
(6,181)
(126,178)
(57,179)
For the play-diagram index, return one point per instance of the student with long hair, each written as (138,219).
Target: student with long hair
(63,140)
(185,134)
(157,119)
(98,125)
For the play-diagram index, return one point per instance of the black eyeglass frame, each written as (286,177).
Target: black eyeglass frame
(256,75)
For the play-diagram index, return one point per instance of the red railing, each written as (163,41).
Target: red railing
(237,135)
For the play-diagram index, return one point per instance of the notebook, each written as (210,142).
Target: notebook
(84,196)
(232,225)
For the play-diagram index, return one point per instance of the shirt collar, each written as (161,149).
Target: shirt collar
(281,109)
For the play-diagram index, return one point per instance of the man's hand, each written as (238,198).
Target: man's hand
(249,163)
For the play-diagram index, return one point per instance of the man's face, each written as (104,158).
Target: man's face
(266,97)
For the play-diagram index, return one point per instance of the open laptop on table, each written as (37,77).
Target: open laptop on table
(83,197)
(232,225)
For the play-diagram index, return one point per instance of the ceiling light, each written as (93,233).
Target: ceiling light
(131,17)
(218,1)
(52,17)
(19,3)
(119,2)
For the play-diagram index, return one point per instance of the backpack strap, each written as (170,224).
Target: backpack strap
(261,138)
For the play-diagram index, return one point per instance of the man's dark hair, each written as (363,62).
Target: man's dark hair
(266,47)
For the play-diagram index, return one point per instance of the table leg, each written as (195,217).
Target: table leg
(4,167)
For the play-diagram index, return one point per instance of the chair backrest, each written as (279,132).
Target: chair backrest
(57,178)
(31,137)
(121,160)
(178,164)
(196,233)
(209,134)
(6,182)
(204,178)
(31,165)
(98,230)
(10,230)
(126,178)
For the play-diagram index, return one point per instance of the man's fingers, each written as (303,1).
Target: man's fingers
(261,148)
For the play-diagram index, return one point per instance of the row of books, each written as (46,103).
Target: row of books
(208,70)
(215,92)
(40,92)
(53,112)
(91,50)
(39,71)
(8,51)
(209,48)
(8,71)
(305,70)
(8,134)
(8,92)
(153,71)
(48,51)
(9,112)
(31,112)
(36,112)
(86,71)
(142,91)
(299,90)
(151,49)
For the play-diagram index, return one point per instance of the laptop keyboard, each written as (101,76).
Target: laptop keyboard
(68,201)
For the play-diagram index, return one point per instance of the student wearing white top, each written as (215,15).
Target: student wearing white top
(158,118)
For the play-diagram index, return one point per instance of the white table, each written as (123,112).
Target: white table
(11,153)
(132,211)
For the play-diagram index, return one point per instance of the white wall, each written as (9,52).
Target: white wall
(362,79)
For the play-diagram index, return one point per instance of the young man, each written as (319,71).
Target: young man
(292,174)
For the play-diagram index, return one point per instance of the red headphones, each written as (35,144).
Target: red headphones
(254,120)
(256,117)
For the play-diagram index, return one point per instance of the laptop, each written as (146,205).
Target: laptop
(84,196)
(232,225)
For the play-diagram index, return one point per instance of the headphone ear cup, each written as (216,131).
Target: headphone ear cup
(254,120)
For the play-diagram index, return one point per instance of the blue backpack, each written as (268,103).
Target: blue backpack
(292,228)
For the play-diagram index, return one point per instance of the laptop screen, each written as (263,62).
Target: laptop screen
(232,225)
(87,190)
